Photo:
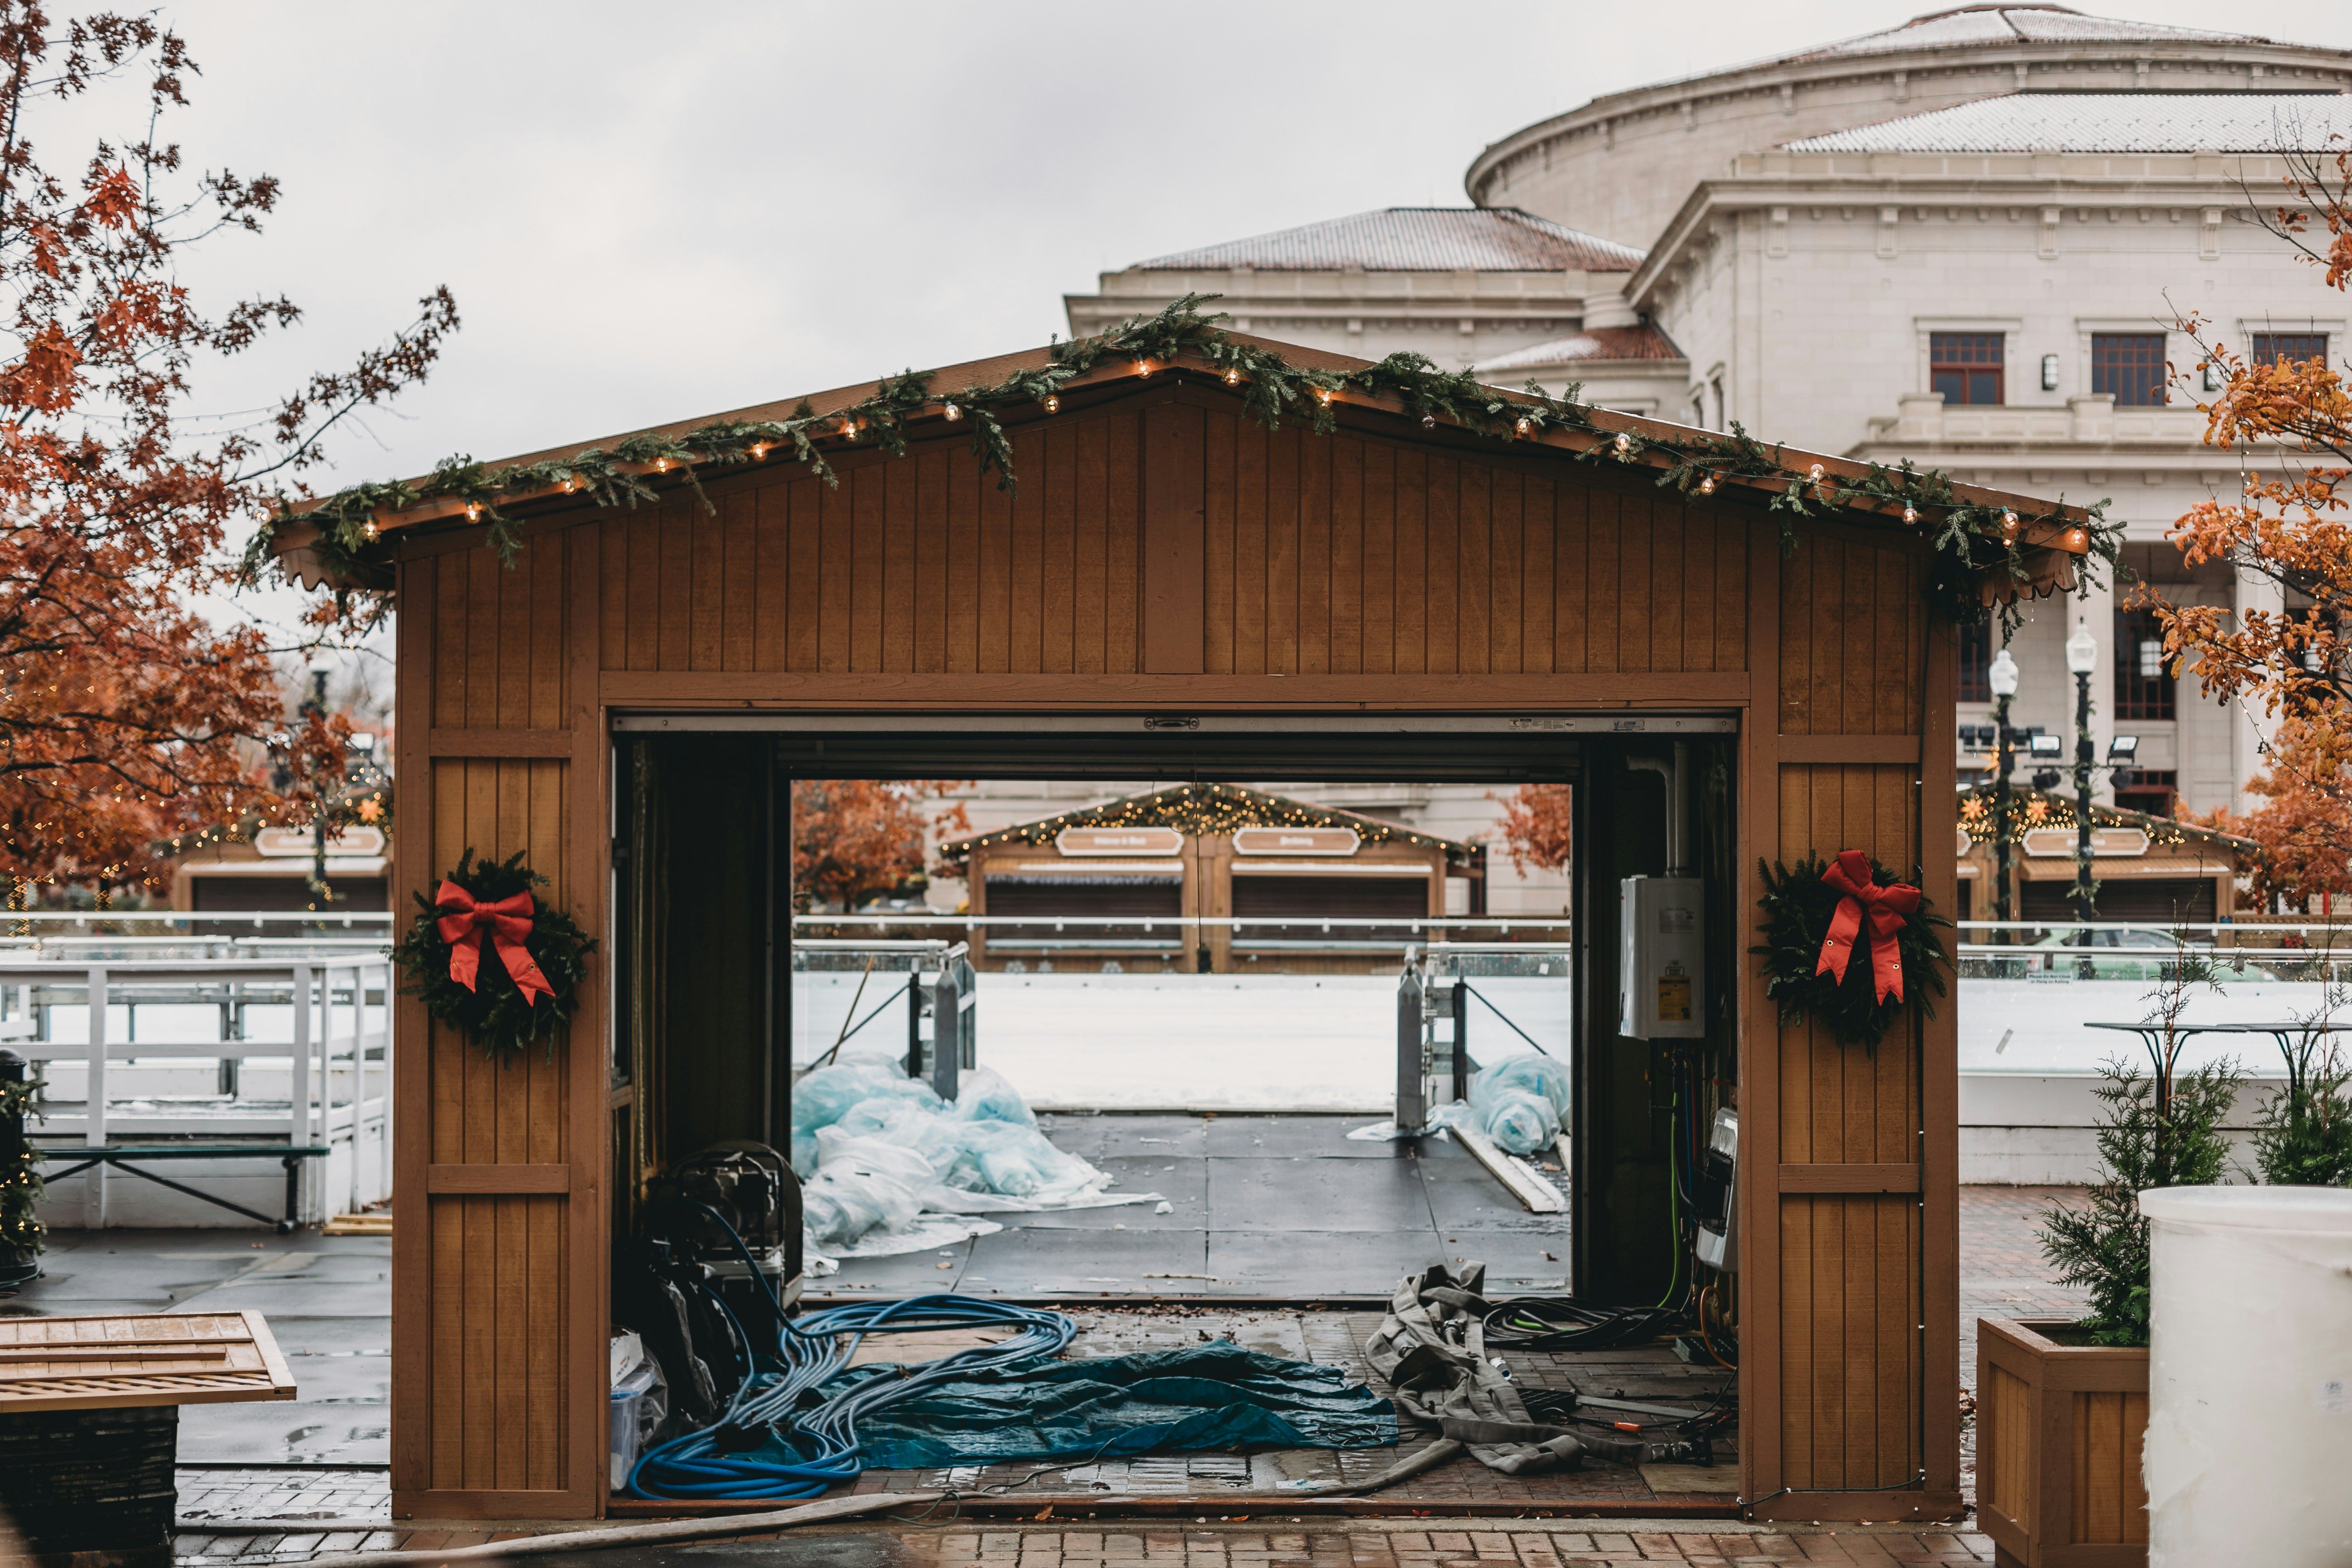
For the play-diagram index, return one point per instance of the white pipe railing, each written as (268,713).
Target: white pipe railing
(337,1048)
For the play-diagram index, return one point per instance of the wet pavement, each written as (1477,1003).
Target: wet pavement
(1284,1207)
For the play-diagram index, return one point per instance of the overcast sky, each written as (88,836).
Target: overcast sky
(651,212)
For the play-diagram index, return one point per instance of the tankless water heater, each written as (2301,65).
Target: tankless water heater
(1662,967)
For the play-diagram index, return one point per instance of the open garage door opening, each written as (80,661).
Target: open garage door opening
(1202,957)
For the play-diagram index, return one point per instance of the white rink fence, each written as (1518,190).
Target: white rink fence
(1152,1037)
(171,1033)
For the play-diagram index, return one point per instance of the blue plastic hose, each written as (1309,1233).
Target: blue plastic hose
(822,1436)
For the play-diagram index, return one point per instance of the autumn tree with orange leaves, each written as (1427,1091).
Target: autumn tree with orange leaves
(2290,422)
(856,839)
(1534,825)
(125,715)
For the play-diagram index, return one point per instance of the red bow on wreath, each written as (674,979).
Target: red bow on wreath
(505,924)
(1850,875)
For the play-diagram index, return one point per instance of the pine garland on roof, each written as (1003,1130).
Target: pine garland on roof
(1972,542)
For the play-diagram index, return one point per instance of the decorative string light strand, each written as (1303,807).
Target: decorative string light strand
(1974,541)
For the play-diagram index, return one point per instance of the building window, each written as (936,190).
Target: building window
(1715,386)
(2147,790)
(2143,688)
(1965,367)
(2295,348)
(2130,365)
(1976,662)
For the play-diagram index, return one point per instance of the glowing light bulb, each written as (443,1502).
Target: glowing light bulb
(2076,541)
(368,530)
(758,450)
(2009,523)
(1053,404)
(567,486)
(1816,473)
(1706,484)
(1323,396)
(1232,378)
(952,412)
(1429,421)
(1910,512)
(661,465)
(1143,367)
(473,512)
(1524,425)
(849,430)
(1624,443)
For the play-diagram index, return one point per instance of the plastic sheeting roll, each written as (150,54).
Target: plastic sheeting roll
(2250,1377)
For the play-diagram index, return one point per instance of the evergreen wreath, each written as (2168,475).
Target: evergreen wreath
(494,1011)
(1798,907)
(20,1181)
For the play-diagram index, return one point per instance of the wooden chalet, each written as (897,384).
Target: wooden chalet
(1175,591)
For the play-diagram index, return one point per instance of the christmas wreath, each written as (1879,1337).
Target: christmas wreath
(488,957)
(20,1183)
(1819,916)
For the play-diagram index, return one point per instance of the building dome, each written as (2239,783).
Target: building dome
(1619,166)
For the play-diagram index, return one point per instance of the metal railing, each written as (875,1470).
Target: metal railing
(336,1049)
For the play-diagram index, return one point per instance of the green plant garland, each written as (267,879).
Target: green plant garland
(494,1013)
(20,1180)
(1970,541)
(1798,906)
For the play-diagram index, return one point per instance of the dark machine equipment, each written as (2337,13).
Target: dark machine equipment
(687,1286)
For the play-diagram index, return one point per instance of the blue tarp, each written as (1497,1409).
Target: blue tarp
(1215,1396)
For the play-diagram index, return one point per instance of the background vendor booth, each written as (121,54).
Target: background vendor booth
(1151,881)
(1429,590)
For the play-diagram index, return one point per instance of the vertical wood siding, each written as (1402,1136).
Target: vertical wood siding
(497,1294)
(1852,652)
(1322,556)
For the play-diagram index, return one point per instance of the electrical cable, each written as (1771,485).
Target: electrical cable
(1565,1323)
(1500,1013)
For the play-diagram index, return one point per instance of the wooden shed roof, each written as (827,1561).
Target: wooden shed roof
(2051,566)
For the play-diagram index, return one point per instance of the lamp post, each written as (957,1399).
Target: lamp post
(2001,675)
(320,667)
(2082,657)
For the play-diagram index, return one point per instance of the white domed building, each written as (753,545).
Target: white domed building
(1964,241)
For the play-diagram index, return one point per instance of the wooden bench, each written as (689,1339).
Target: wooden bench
(291,1155)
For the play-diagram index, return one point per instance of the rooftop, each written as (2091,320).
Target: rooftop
(1643,343)
(1975,25)
(2109,122)
(1414,239)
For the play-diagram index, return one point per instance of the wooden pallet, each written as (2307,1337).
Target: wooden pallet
(86,1364)
(359,1224)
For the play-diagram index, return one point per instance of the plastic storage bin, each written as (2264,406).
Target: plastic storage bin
(635,1417)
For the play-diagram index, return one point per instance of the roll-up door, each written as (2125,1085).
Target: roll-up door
(2153,899)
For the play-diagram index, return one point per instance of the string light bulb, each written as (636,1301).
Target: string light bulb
(661,465)
(1053,404)
(758,450)
(1816,473)
(473,512)
(1143,367)
(849,429)
(1623,443)
(1524,425)
(1910,512)
(952,412)
(1323,396)
(2076,541)
(368,530)
(1232,378)
(1429,421)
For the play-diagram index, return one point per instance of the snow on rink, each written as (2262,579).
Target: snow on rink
(1194,1042)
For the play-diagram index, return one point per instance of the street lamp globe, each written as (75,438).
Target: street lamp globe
(2001,675)
(2082,649)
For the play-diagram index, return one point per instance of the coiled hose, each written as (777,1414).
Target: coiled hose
(722,1461)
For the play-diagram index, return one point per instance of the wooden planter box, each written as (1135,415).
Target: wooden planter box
(2059,1428)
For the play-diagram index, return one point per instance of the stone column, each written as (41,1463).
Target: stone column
(2249,731)
(2097,610)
